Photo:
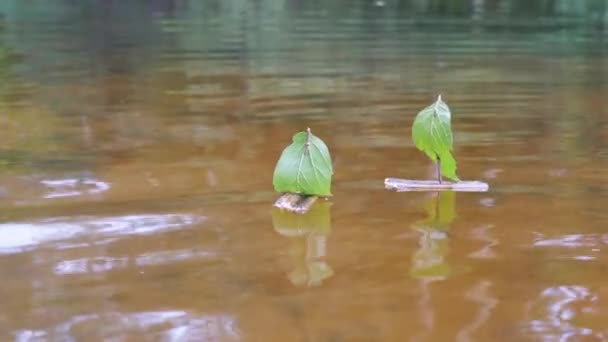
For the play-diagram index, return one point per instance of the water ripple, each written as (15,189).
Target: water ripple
(582,247)
(573,241)
(104,264)
(173,325)
(16,237)
(559,307)
(74,187)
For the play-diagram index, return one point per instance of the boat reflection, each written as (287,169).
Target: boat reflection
(429,261)
(308,243)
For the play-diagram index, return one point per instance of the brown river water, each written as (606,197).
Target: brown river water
(139,140)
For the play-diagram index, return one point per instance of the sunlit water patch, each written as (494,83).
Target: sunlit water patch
(157,325)
(74,187)
(575,246)
(557,311)
(107,263)
(40,189)
(62,232)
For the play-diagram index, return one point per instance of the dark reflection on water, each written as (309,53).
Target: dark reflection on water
(139,139)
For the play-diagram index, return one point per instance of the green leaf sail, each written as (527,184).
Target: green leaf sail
(432,134)
(304,167)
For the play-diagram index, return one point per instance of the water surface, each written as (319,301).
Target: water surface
(139,142)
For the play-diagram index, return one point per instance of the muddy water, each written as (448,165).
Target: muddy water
(138,144)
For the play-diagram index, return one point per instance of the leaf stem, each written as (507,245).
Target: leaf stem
(438,165)
(308,138)
(437,103)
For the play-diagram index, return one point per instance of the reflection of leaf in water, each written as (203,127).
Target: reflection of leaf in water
(429,260)
(308,233)
(310,273)
(440,210)
(290,224)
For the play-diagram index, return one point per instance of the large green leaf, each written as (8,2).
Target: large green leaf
(432,134)
(304,167)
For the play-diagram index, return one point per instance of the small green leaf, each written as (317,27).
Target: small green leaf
(304,167)
(432,134)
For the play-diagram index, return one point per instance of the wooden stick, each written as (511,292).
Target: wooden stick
(296,203)
(433,185)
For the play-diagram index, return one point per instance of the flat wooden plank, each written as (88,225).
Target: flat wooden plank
(295,202)
(400,185)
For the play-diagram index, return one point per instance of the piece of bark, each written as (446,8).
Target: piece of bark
(296,203)
(400,185)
